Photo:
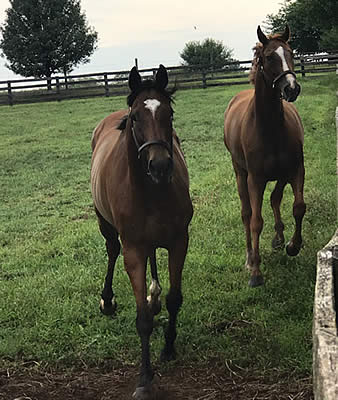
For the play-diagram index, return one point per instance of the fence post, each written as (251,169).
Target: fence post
(9,91)
(106,87)
(58,88)
(302,66)
(49,83)
(204,79)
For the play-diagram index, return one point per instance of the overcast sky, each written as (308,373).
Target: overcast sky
(155,31)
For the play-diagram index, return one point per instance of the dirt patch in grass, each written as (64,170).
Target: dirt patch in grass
(210,382)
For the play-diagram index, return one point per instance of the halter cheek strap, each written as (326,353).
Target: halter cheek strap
(278,78)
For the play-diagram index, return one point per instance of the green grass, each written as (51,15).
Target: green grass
(53,261)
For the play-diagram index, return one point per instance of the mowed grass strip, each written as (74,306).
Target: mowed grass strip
(53,260)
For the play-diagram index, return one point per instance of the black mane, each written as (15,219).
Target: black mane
(147,85)
(123,123)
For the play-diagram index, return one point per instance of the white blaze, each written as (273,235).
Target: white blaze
(152,105)
(289,77)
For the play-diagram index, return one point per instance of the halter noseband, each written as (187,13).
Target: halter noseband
(280,76)
(140,148)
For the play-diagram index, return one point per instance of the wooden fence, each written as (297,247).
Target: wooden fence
(116,83)
(325,324)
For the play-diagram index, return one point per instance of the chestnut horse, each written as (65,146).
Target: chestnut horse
(264,134)
(140,188)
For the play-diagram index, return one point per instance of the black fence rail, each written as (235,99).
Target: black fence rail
(116,83)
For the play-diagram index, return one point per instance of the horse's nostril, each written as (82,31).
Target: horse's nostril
(291,94)
(161,168)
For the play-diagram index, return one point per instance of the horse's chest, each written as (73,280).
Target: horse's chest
(277,165)
(158,225)
(157,229)
(161,230)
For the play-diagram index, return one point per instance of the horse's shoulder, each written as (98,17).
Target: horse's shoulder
(240,99)
(292,118)
(291,109)
(244,95)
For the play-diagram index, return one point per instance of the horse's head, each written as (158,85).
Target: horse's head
(275,59)
(151,117)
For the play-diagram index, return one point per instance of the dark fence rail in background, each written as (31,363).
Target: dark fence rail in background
(116,83)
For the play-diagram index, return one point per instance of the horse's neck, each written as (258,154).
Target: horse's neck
(268,106)
(138,178)
(133,163)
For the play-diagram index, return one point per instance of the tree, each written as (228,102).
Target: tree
(43,37)
(313,23)
(207,54)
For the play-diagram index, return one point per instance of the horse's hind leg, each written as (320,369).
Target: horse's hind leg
(299,208)
(108,304)
(154,300)
(275,200)
(174,298)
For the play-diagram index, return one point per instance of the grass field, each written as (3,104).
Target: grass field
(53,261)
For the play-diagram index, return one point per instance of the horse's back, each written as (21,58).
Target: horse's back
(105,141)
(107,126)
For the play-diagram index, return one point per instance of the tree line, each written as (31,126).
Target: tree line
(313,24)
(41,38)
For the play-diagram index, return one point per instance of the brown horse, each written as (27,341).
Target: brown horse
(264,134)
(140,188)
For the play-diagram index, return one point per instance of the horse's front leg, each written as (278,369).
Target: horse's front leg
(135,261)
(299,209)
(107,303)
(256,189)
(275,201)
(174,297)
(242,186)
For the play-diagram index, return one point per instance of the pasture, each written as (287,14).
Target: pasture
(53,259)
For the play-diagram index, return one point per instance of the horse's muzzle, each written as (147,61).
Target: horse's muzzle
(291,93)
(160,170)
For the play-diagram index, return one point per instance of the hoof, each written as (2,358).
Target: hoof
(168,355)
(143,393)
(256,280)
(277,243)
(108,310)
(292,250)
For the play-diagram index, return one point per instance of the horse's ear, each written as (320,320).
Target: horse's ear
(134,79)
(286,34)
(161,77)
(262,38)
